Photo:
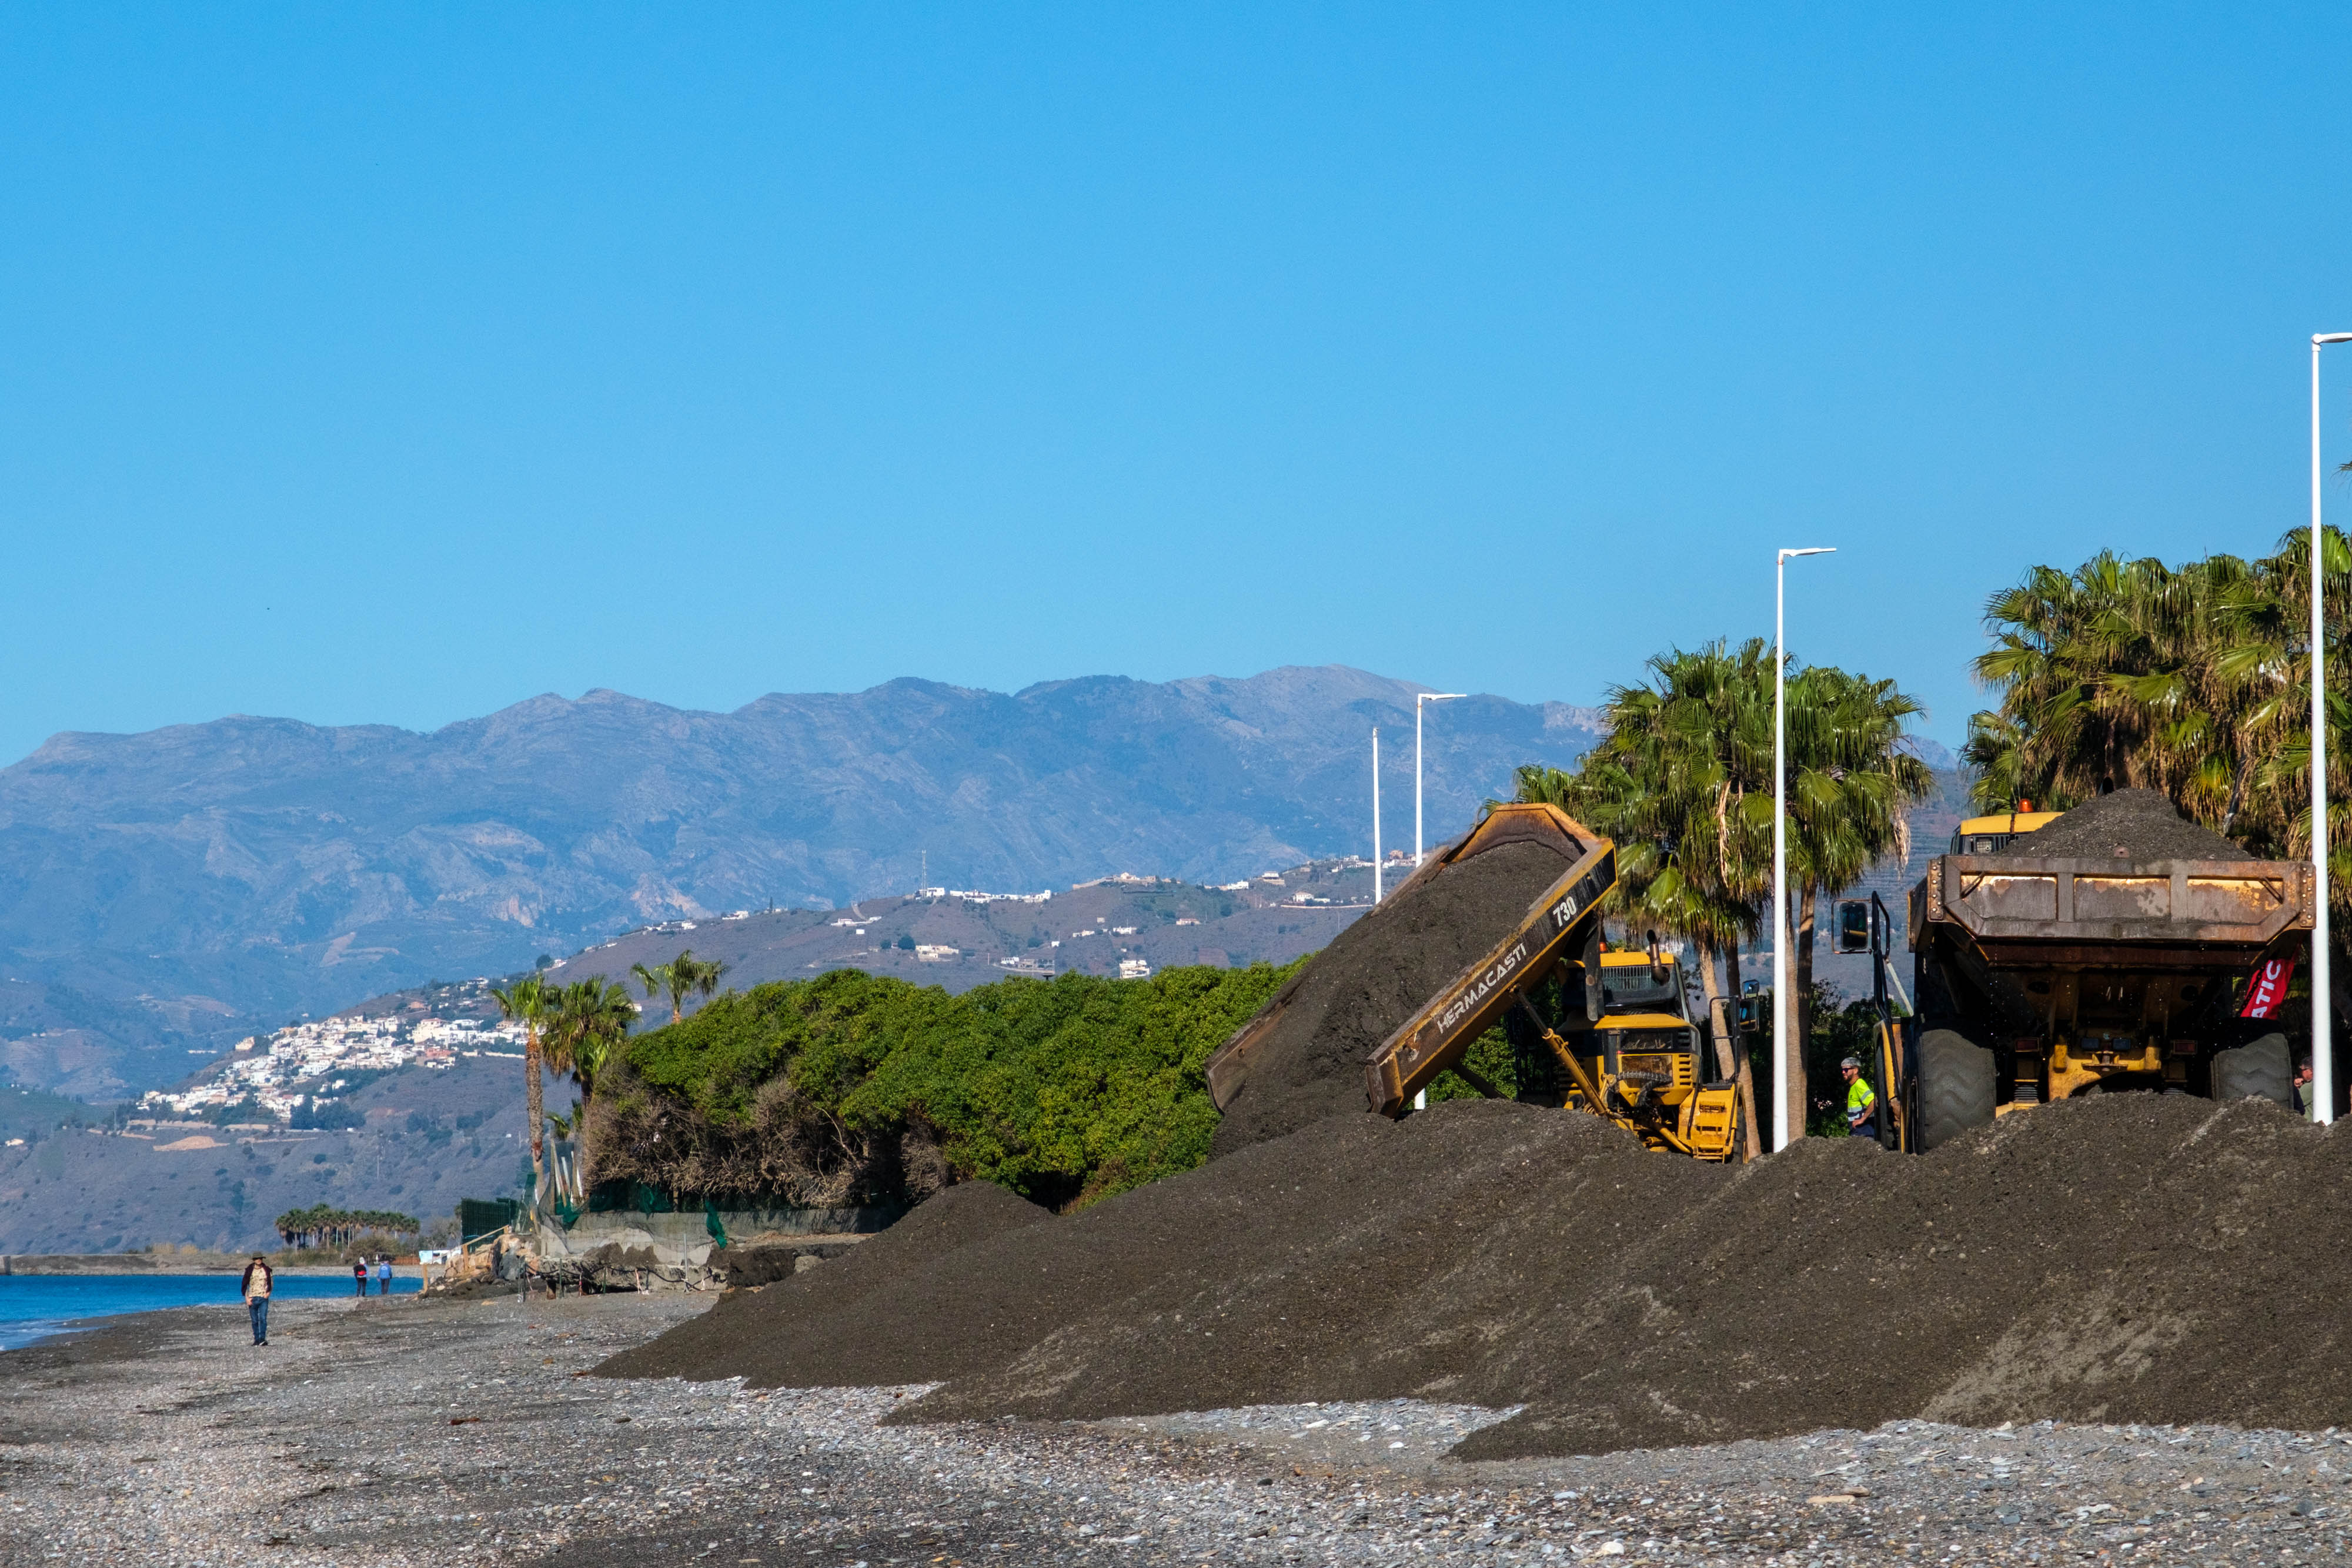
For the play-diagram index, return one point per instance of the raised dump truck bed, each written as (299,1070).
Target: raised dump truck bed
(2078,962)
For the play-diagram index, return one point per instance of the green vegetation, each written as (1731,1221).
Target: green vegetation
(856,1088)
(2194,680)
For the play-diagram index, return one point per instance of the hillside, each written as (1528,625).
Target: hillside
(427,1139)
(163,894)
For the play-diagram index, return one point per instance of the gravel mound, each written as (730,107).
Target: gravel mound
(1335,1013)
(827,1303)
(2127,1257)
(2129,824)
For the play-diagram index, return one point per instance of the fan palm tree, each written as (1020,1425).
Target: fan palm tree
(525,1001)
(1850,785)
(682,977)
(587,1020)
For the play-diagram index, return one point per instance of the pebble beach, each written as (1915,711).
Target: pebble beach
(437,1432)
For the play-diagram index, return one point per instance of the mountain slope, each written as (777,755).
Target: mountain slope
(162,891)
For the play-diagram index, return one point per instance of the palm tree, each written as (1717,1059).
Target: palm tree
(1849,784)
(1684,786)
(1675,786)
(525,1001)
(587,1020)
(681,976)
(656,979)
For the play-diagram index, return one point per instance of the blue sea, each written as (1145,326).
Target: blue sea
(35,1306)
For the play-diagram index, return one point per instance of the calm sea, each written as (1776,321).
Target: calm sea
(34,1306)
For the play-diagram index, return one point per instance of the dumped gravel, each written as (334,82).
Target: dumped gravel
(832,1344)
(430,1434)
(1310,1064)
(2129,824)
(2153,1259)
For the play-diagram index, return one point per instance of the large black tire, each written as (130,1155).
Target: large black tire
(1955,1086)
(2262,1071)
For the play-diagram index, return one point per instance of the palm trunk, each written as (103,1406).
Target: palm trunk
(1803,1000)
(1711,987)
(1751,1138)
(535,1103)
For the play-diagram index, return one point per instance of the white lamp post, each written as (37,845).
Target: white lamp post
(1418,699)
(1376,813)
(1783,1056)
(2323,1063)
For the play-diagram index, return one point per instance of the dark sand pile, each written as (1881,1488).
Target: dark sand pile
(2129,824)
(1310,1064)
(827,1306)
(2128,1258)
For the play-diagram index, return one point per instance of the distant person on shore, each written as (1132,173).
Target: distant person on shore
(384,1273)
(258,1280)
(359,1275)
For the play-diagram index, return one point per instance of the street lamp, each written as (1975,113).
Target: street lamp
(2323,1063)
(1783,1070)
(1376,813)
(1419,698)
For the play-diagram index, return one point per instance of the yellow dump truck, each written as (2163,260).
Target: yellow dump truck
(2055,958)
(1625,1041)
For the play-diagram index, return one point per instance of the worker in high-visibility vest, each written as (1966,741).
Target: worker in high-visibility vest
(1861,1104)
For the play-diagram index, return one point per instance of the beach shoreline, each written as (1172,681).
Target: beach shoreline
(50,1265)
(410,1431)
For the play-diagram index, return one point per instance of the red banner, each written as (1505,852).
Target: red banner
(2267,989)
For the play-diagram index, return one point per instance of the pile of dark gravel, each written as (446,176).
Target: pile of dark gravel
(2129,824)
(2128,1258)
(1309,1064)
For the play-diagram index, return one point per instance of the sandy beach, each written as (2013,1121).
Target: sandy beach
(428,1432)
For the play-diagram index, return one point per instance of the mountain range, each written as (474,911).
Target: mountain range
(164,892)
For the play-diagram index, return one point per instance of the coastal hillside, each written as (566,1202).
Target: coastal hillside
(422,1140)
(163,894)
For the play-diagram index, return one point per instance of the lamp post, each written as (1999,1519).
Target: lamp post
(1418,699)
(2322,1063)
(1783,1068)
(1376,813)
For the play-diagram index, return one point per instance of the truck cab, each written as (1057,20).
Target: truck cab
(1993,834)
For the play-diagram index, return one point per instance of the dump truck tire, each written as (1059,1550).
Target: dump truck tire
(2262,1071)
(1955,1086)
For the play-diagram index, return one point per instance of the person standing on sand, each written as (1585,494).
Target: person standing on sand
(359,1275)
(384,1273)
(256,1287)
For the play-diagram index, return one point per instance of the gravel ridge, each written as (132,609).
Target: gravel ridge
(166,1442)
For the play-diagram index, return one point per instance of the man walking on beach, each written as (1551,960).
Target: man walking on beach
(384,1273)
(359,1275)
(256,1296)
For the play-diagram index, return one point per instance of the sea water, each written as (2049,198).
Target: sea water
(35,1306)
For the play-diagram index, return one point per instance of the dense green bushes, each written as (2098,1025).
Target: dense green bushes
(856,1088)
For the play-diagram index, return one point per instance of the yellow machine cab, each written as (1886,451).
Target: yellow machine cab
(1992,835)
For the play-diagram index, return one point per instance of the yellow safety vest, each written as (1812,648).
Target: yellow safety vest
(1859,1100)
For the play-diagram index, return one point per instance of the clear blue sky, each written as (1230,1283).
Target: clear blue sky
(395,363)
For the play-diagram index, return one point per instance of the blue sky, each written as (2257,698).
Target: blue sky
(395,366)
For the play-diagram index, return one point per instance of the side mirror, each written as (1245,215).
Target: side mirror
(1853,925)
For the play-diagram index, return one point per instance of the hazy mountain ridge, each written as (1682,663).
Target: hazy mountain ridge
(163,891)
